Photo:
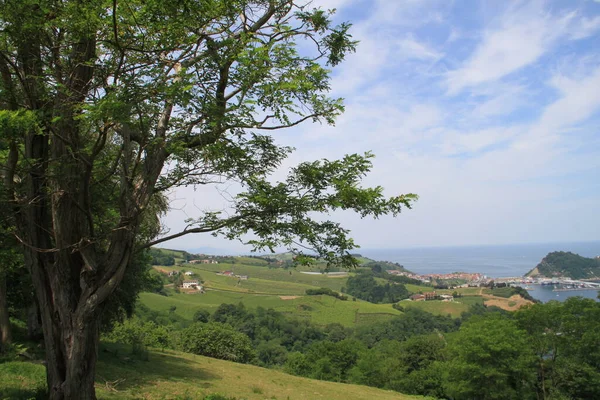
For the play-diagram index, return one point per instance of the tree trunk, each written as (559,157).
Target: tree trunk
(5,333)
(34,326)
(71,322)
(71,344)
(77,361)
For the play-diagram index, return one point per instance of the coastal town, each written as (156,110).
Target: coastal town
(468,279)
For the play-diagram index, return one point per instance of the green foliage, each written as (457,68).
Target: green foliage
(219,341)
(327,292)
(271,353)
(411,323)
(489,358)
(201,316)
(364,286)
(325,186)
(377,267)
(140,335)
(561,263)
(138,277)
(159,257)
(326,360)
(564,338)
(510,291)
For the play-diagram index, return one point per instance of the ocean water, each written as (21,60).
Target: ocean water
(546,293)
(492,261)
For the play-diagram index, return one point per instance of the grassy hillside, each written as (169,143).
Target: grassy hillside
(567,264)
(278,288)
(174,375)
(255,272)
(284,290)
(321,310)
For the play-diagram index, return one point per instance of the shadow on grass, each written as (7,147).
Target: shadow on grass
(118,367)
(22,380)
(23,394)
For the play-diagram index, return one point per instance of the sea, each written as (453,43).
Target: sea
(495,261)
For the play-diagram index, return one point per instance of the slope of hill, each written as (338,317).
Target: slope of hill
(174,375)
(567,264)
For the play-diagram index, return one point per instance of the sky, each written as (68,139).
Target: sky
(488,110)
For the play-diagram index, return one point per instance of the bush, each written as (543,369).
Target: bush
(140,335)
(217,340)
(326,292)
(201,316)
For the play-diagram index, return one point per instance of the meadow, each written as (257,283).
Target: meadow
(321,310)
(171,375)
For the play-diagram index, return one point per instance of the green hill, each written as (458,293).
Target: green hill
(174,375)
(566,264)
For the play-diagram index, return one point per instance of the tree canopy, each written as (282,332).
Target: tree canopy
(106,106)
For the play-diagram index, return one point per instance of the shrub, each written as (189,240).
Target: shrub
(217,340)
(140,335)
(326,292)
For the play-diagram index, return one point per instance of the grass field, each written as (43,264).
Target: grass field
(208,272)
(320,310)
(276,288)
(173,375)
(438,307)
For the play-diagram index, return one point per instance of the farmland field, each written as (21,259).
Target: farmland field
(284,290)
(321,310)
(438,307)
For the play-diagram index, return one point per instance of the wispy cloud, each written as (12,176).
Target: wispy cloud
(516,39)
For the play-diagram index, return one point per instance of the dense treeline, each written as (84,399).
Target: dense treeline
(565,263)
(364,286)
(327,292)
(382,266)
(159,257)
(545,351)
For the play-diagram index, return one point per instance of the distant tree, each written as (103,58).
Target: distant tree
(201,316)
(271,353)
(364,286)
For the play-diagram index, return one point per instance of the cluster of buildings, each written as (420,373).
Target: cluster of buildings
(431,296)
(193,284)
(233,275)
(203,261)
(464,276)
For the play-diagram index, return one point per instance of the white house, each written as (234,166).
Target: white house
(190,284)
(189,273)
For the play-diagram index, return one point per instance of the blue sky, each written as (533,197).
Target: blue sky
(489,110)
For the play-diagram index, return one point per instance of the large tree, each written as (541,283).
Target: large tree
(138,97)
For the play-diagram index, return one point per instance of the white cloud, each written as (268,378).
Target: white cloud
(498,100)
(517,39)
(386,42)
(580,100)
(409,47)
(585,27)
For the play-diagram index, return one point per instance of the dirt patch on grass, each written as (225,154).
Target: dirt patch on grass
(513,303)
(289,297)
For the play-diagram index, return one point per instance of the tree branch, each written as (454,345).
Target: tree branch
(202,229)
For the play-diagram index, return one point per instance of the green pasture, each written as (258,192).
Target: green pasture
(172,375)
(321,310)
